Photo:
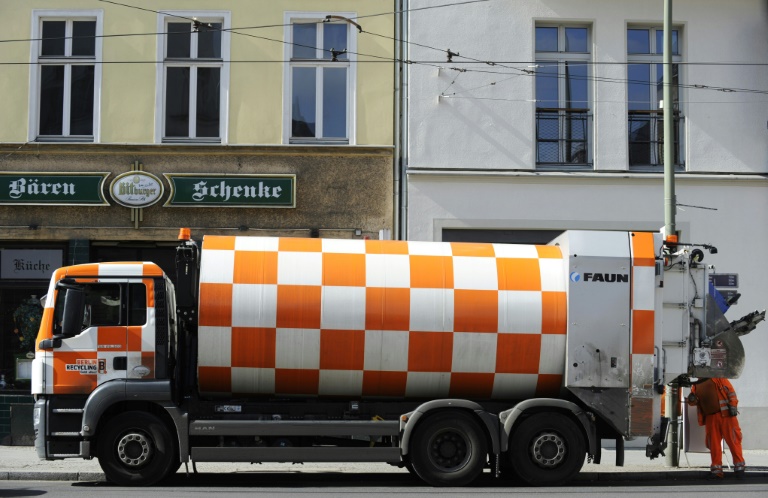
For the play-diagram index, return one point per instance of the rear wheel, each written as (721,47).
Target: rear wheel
(136,449)
(547,448)
(449,449)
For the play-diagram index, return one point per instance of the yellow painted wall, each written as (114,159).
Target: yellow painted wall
(256,88)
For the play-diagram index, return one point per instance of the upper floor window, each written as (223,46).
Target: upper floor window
(645,92)
(194,77)
(65,74)
(320,79)
(563,112)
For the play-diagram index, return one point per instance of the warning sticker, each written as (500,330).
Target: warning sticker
(719,357)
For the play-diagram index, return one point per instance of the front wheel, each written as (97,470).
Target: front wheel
(449,449)
(136,449)
(546,448)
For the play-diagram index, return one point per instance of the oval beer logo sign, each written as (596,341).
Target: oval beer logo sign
(136,189)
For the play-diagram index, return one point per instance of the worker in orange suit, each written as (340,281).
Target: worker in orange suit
(716,402)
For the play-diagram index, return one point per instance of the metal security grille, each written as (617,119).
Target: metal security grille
(646,138)
(562,136)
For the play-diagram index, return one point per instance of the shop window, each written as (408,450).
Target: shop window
(20,314)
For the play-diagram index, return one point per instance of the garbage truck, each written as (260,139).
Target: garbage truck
(448,359)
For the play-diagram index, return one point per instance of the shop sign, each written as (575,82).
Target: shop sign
(231,190)
(136,189)
(55,189)
(29,263)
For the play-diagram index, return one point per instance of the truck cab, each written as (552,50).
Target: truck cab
(106,328)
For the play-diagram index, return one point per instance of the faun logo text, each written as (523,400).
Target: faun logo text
(599,277)
(606,277)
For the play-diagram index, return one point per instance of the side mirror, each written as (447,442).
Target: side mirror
(74,311)
(48,344)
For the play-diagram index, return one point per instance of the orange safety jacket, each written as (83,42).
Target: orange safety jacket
(713,397)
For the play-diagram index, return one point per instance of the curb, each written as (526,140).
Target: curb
(587,477)
(52,476)
(663,475)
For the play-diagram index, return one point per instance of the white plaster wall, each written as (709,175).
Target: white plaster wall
(471,158)
(629,202)
(484,126)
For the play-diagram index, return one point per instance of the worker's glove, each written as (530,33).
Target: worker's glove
(732,411)
(692,400)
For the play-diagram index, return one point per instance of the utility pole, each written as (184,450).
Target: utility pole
(672,407)
(669,139)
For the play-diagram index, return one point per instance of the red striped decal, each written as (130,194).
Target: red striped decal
(643,252)
(642,331)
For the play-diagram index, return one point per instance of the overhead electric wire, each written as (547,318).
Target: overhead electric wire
(428,63)
(501,99)
(433,64)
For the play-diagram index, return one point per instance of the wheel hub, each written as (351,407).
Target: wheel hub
(548,449)
(134,449)
(448,451)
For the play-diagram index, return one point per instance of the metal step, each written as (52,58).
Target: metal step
(68,410)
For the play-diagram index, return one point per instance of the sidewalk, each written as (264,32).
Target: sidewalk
(22,463)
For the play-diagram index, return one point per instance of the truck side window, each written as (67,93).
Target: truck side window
(58,312)
(137,315)
(102,305)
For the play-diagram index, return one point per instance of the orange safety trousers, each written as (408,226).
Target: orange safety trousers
(719,428)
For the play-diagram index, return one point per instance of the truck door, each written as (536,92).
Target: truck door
(108,344)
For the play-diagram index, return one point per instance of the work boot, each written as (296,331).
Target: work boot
(716,476)
(739,474)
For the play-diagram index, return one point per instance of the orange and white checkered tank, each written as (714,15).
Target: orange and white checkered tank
(380,319)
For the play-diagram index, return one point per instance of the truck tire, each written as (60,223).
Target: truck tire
(449,449)
(136,449)
(546,449)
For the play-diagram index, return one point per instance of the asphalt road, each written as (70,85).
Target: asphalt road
(280,485)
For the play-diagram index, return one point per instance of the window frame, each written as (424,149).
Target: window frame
(654,59)
(171,16)
(68,61)
(350,64)
(561,57)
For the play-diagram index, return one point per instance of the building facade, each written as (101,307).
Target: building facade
(526,118)
(125,121)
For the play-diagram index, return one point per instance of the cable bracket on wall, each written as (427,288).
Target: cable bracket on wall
(137,214)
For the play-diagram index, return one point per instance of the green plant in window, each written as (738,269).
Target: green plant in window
(27,320)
